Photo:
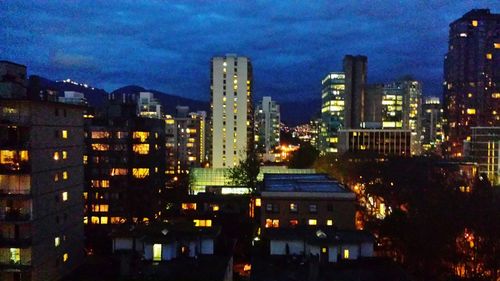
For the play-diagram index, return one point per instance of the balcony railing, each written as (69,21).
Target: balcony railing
(15,215)
(15,184)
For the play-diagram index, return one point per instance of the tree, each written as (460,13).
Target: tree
(304,157)
(246,172)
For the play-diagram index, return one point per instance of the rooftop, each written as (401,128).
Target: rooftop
(302,183)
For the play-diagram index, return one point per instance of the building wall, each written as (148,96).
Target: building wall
(341,212)
(232,113)
(383,142)
(54,227)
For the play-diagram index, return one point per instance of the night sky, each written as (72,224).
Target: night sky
(168,46)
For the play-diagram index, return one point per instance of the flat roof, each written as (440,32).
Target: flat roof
(302,183)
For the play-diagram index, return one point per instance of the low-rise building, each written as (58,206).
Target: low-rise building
(376,141)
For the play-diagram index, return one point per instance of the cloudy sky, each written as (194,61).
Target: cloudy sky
(167,45)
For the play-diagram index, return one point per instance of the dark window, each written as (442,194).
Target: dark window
(313,208)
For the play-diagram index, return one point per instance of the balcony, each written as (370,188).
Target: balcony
(15,235)
(17,258)
(11,185)
(15,210)
(14,161)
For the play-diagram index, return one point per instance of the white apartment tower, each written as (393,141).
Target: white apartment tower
(231,108)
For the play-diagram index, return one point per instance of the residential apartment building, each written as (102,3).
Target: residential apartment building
(267,126)
(231,124)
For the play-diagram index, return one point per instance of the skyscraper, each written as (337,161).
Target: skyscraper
(332,110)
(267,125)
(432,125)
(472,76)
(232,127)
(355,95)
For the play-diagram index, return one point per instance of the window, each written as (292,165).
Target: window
(94,220)
(100,135)
(65,196)
(104,220)
(329,207)
(269,207)
(65,175)
(64,134)
(117,220)
(202,223)
(157,252)
(346,254)
(294,222)
(142,136)
(64,154)
(100,146)
(329,222)
(214,207)
(100,183)
(293,207)
(118,172)
(140,173)
(258,202)
(15,255)
(142,148)
(312,222)
(272,223)
(189,206)
(100,208)
(57,241)
(313,208)
(65,257)
(56,156)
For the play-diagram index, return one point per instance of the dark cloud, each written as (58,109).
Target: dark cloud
(168,46)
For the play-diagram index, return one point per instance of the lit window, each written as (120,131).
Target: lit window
(100,146)
(189,206)
(323,250)
(157,252)
(215,207)
(65,196)
(56,177)
(64,134)
(346,254)
(117,220)
(85,220)
(294,222)
(272,223)
(474,23)
(100,135)
(471,111)
(64,154)
(15,255)
(56,156)
(94,220)
(118,172)
(65,175)
(140,173)
(202,223)
(104,220)
(65,257)
(142,148)
(329,222)
(142,136)
(312,222)
(258,202)
(57,241)
(293,207)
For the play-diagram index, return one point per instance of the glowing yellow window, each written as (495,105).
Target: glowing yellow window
(15,255)
(258,202)
(65,257)
(142,148)
(104,220)
(65,175)
(329,222)
(65,196)
(64,154)
(64,134)
(140,173)
(142,136)
(56,156)
(346,254)
(312,222)
(94,220)
(489,56)
(471,111)
(474,23)
(157,252)
(57,241)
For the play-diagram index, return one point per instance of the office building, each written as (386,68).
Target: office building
(432,124)
(332,110)
(41,184)
(355,68)
(267,126)
(375,141)
(185,140)
(124,169)
(232,128)
(472,77)
(73,97)
(148,106)
(485,151)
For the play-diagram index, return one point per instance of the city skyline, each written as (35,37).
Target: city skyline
(110,45)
